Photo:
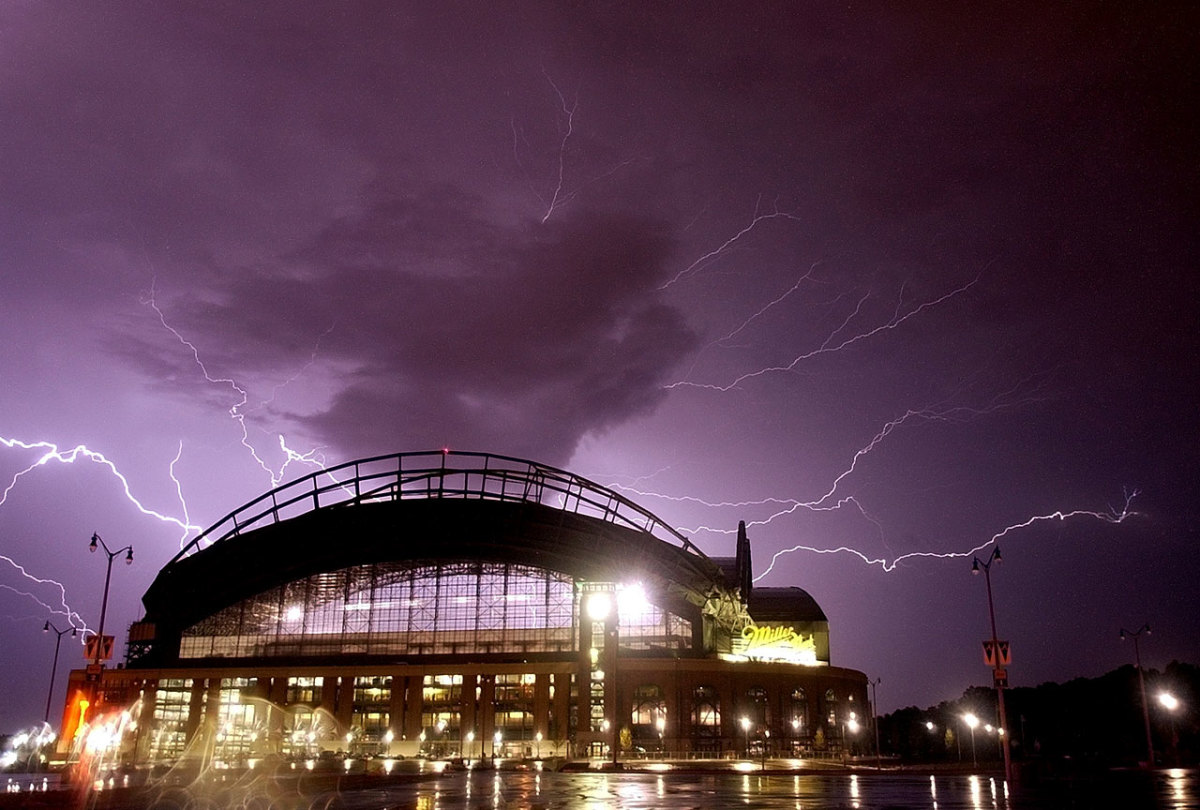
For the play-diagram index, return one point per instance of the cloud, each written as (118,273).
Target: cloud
(446,328)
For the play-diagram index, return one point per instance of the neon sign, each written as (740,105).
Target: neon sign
(775,644)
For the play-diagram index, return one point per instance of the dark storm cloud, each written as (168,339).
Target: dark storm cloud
(451,330)
(535,341)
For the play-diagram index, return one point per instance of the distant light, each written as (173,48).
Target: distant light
(1169,701)
(599,605)
(294,613)
(632,601)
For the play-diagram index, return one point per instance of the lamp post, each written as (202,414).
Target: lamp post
(1137,657)
(746,729)
(849,728)
(1171,703)
(998,667)
(107,579)
(972,721)
(54,667)
(875,721)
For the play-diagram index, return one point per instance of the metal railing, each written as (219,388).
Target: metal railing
(437,474)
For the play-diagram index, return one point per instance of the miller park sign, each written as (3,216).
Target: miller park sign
(781,643)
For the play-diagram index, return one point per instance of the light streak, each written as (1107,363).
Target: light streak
(830,500)
(774,302)
(1112,516)
(235,410)
(63,609)
(713,254)
(51,453)
(569,112)
(560,197)
(238,410)
(833,343)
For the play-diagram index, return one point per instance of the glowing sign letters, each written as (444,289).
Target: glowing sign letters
(776,644)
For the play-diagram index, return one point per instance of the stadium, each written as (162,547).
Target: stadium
(464,605)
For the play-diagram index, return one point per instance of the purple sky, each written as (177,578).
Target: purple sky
(749,264)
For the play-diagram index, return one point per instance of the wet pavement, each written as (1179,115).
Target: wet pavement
(536,790)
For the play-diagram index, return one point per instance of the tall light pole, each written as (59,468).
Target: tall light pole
(972,721)
(1171,703)
(97,539)
(54,667)
(875,722)
(998,666)
(1137,657)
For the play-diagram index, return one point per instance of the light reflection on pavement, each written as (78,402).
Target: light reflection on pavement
(893,791)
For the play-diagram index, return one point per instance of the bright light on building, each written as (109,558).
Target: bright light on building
(599,605)
(632,601)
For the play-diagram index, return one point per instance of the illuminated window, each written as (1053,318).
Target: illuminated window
(172,702)
(370,712)
(395,609)
(304,690)
(798,714)
(756,705)
(706,710)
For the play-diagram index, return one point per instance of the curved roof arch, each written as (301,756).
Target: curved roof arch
(429,507)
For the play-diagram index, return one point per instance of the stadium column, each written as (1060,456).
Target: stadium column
(396,720)
(541,705)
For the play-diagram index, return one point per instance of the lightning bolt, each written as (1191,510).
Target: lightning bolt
(566,116)
(62,609)
(569,112)
(770,304)
(831,500)
(239,409)
(50,453)
(835,342)
(1112,516)
(715,253)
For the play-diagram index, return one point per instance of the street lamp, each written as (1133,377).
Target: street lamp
(496,743)
(746,728)
(537,738)
(1137,657)
(1171,703)
(875,721)
(107,579)
(972,721)
(54,667)
(999,682)
(470,745)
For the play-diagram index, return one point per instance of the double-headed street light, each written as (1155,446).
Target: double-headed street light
(1137,657)
(976,565)
(54,667)
(97,539)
